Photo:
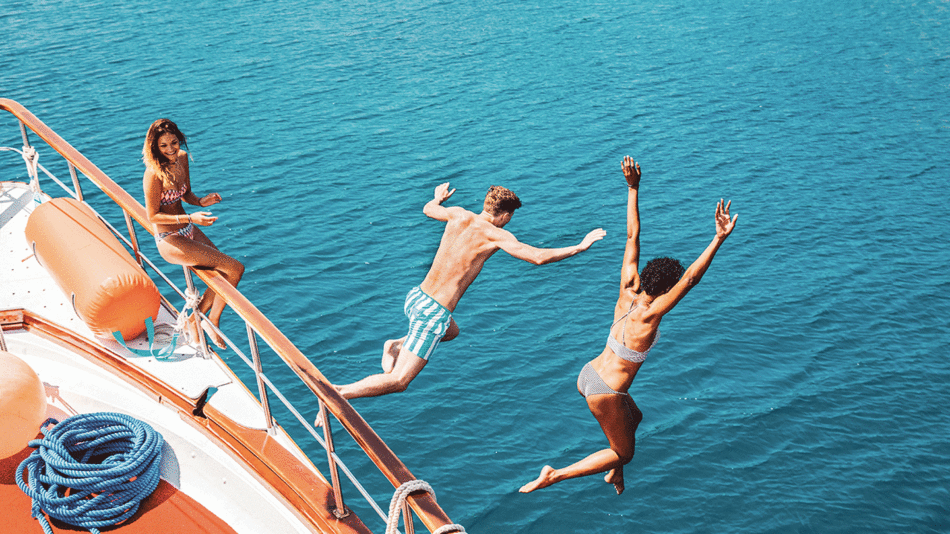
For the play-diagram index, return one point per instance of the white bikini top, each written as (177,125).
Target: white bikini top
(620,349)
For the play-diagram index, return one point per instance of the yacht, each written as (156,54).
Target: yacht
(87,335)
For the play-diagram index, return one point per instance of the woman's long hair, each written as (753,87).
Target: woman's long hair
(154,160)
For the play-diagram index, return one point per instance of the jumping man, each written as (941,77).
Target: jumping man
(469,239)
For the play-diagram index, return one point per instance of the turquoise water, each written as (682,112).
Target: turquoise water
(801,387)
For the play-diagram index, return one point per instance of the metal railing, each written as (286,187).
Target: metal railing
(258,326)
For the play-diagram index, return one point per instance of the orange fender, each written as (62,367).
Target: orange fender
(109,290)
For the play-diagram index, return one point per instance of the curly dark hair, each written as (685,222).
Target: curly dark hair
(499,199)
(660,275)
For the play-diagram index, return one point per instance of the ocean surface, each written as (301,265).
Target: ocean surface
(801,387)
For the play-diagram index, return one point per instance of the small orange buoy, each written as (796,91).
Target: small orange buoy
(22,404)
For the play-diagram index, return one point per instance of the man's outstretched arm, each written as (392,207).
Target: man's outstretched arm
(541,256)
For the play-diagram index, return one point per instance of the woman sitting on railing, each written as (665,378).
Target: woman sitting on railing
(179,241)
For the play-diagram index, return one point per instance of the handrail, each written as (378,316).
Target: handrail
(382,456)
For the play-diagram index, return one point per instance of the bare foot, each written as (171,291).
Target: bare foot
(390,352)
(318,422)
(615,477)
(215,337)
(545,479)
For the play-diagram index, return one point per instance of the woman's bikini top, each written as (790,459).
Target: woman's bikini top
(620,349)
(170,196)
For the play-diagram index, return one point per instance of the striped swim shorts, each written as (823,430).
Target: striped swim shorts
(428,322)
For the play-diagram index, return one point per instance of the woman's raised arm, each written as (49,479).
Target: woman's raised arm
(724,226)
(629,272)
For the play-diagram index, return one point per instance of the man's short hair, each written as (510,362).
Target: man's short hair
(500,200)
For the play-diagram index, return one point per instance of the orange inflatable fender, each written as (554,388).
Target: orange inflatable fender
(22,404)
(109,290)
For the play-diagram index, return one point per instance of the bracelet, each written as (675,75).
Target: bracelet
(189,218)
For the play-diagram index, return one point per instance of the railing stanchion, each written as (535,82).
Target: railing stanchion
(132,236)
(76,186)
(407,518)
(340,511)
(202,339)
(259,374)
(26,140)
(30,157)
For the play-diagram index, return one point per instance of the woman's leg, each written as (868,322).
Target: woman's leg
(615,475)
(619,424)
(200,252)
(231,269)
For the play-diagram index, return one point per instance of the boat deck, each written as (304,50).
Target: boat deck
(167,509)
(222,449)
(27,285)
(207,485)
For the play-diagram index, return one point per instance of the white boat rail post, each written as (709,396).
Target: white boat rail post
(26,140)
(78,193)
(340,511)
(3,341)
(202,339)
(407,522)
(132,236)
(259,375)
(31,158)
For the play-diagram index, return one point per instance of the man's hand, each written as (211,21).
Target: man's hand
(590,238)
(631,171)
(724,225)
(442,193)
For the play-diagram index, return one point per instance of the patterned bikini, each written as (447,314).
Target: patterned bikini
(170,196)
(590,383)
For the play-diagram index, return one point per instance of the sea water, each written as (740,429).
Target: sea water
(801,387)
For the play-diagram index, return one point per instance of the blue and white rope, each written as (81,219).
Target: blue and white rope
(91,470)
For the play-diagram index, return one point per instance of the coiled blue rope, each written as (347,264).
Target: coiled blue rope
(91,470)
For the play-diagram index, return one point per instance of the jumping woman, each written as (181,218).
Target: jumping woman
(644,299)
(167,183)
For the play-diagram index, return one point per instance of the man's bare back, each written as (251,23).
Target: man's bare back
(468,241)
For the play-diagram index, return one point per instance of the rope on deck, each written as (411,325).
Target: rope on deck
(191,303)
(163,333)
(399,498)
(32,159)
(91,470)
